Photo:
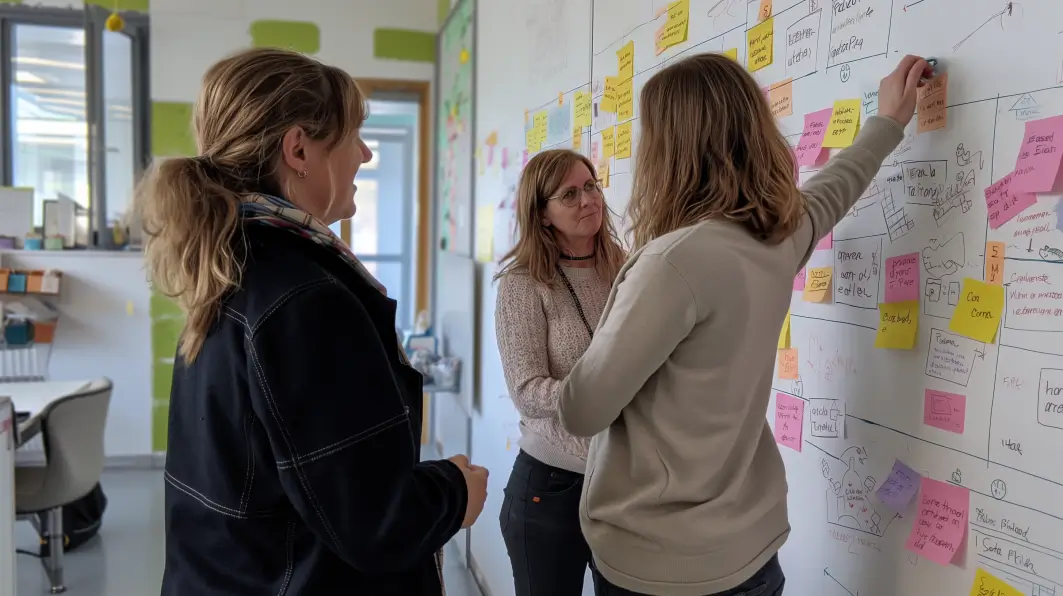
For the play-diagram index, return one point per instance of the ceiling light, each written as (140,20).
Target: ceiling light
(61,102)
(24,76)
(53,63)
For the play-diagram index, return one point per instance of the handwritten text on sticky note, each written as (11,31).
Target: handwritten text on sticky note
(809,150)
(902,278)
(932,103)
(977,314)
(987,584)
(675,29)
(944,410)
(939,528)
(826,418)
(994,262)
(781,98)
(789,420)
(582,108)
(608,103)
(788,364)
(900,487)
(625,94)
(1037,167)
(623,141)
(898,325)
(817,284)
(844,122)
(625,58)
(608,146)
(1003,203)
(760,41)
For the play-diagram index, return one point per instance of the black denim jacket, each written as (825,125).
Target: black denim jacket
(293,459)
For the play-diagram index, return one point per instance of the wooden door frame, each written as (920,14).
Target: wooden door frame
(422,90)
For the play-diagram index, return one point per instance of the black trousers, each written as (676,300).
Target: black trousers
(768,581)
(540,524)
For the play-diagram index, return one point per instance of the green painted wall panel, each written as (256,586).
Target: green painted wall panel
(404,44)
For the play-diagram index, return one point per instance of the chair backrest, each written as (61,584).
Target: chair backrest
(73,430)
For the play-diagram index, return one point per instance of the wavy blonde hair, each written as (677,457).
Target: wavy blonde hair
(710,149)
(190,206)
(536,251)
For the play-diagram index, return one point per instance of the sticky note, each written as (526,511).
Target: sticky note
(898,325)
(844,122)
(607,142)
(492,139)
(577,138)
(764,11)
(789,420)
(760,41)
(732,54)
(1003,202)
(799,281)
(625,102)
(561,98)
(582,108)
(817,286)
(1037,167)
(788,364)
(977,315)
(532,144)
(623,141)
(480,161)
(987,584)
(944,410)
(941,524)
(932,101)
(809,150)
(485,233)
(902,278)
(781,98)
(900,487)
(784,335)
(625,58)
(994,262)
(826,242)
(608,103)
(675,29)
(539,121)
(603,174)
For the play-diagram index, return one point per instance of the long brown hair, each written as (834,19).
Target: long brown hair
(536,251)
(710,149)
(190,206)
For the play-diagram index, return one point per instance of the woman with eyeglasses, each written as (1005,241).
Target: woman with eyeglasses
(552,288)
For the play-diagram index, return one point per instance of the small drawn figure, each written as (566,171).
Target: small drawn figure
(1051,254)
(998,488)
(957,476)
(965,157)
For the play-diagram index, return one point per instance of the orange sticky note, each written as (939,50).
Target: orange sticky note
(933,99)
(765,10)
(994,263)
(817,284)
(781,98)
(788,364)
(560,99)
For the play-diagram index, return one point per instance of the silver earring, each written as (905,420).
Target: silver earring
(303,174)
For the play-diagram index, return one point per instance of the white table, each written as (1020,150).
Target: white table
(7,498)
(34,398)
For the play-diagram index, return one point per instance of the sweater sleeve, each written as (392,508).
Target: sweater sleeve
(520,327)
(832,192)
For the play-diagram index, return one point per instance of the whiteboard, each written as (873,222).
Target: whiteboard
(1005,67)
(455,89)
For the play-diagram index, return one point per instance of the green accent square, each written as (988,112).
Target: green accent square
(160,418)
(289,35)
(121,5)
(171,129)
(163,307)
(404,44)
(165,333)
(161,380)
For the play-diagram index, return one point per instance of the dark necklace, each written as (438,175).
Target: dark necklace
(571,258)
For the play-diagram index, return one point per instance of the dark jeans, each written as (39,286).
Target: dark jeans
(768,581)
(540,524)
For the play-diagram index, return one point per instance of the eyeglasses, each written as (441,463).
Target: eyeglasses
(571,196)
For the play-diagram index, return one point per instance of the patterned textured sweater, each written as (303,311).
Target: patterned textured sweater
(540,338)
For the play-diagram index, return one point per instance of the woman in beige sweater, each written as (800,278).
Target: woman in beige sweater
(686,491)
(553,285)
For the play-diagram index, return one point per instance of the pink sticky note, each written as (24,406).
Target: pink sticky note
(809,150)
(789,420)
(799,281)
(944,410)
(941,524)
(1004,203)
(902,278)
(505,158)
(1037,167)
(827,242)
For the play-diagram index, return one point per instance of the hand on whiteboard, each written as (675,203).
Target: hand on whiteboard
(897,92)
(475,485)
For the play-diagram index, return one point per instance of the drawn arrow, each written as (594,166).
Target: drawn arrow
(1030,248)
(912,4)
(827,573)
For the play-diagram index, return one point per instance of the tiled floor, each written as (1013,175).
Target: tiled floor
(126,558)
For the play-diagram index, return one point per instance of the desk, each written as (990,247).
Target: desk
(7,498)
(34,398)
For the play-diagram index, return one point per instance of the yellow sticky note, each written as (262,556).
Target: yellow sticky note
(675,29)
(784,335)
(582,109)
(480,160)
(607,143)
(761,45)
(561,98)
(531,140)
(492,139)
(603,174)
(817,284)
(732,54)
(485,233)
(464,56)
(623,141)
(625,95)
(977,315)
(788,364)
(898,325)
(608,103)
(625,58)
(129,308)
(986,584)
(994,262)
(577,138)
(539,125)
(844,122)
(765,10)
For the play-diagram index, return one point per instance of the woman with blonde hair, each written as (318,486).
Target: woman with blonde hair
(293,458)
(686,491)
(553,285)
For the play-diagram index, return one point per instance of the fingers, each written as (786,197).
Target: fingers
(460,460)
(915,74)
(906,64)
(476,468)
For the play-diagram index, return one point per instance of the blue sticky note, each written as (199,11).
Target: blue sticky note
(900,487)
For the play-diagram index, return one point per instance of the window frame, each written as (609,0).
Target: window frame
(92,20)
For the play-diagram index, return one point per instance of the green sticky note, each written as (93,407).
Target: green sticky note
(404,44)
(171,129)
(121,5)
(289,35)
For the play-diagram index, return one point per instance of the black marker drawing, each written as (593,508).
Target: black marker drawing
(999,489)
(849,502)
(1051,254)
(1010,10)
(1025,108)
(965,158)
(946,258)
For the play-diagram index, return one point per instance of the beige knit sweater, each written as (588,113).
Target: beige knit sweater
(540,337)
